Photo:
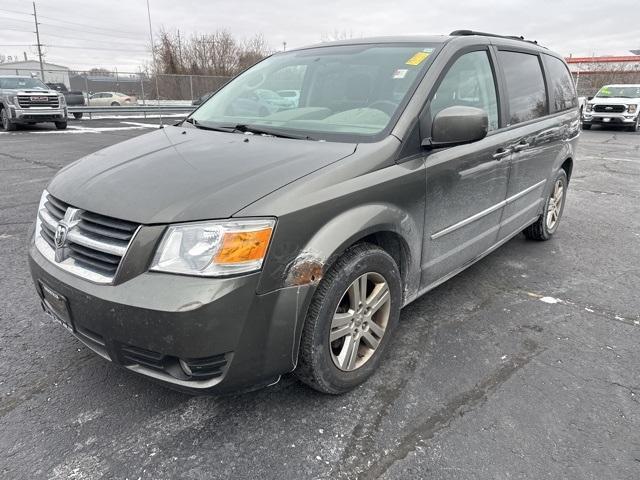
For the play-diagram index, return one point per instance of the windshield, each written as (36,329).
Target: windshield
(335,93)
(631,91)
(19,83)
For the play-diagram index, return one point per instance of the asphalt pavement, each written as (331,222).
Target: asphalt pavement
(526,365)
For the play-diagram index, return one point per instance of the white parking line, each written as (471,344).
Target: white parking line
(73,129)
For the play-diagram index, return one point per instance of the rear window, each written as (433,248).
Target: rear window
(527,96)
(561,87)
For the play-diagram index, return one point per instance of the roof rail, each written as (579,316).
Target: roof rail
(464,33)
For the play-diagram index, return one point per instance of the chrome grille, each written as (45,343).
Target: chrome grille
(609,108)
(35,100)
(93,244)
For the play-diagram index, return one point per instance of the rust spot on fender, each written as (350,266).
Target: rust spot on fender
(305,269)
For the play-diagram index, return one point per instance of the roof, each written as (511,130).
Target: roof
(489,38)
(622,59)
(24,62)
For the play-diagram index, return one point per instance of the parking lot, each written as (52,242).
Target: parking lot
(526,365)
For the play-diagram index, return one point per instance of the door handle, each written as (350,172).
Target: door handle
(501,153)
(520,146)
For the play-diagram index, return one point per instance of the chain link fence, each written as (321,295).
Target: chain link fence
(145,88)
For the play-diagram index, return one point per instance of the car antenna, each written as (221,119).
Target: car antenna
(155,64)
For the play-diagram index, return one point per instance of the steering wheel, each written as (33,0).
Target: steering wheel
(385,106)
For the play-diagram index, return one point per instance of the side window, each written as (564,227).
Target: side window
(469,82)
(561,87)
(527,97)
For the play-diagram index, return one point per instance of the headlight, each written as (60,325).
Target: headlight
(589,107)
(13,99)
(63,101)
(212,249)
(632,108)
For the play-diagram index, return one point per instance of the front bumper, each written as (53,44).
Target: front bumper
(609,118)
(30,115)
(162,326)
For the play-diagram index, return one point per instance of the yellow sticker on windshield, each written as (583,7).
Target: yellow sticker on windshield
(418,58)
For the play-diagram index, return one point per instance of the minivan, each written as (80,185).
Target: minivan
(258,237)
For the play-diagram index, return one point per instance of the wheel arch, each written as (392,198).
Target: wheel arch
(384,225)
(567,166)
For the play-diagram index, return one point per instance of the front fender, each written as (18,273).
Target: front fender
(350,227)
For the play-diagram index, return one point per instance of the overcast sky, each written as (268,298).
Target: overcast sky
(83,34)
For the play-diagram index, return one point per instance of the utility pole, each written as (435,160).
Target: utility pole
(155,63)
(284,46)
(179,51)
(39,45)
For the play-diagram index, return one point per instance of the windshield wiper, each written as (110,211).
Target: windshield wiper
(266,131)
(197,124)
(243,128)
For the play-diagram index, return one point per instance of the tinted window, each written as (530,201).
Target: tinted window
(527,98)
(469,82)
(563,94)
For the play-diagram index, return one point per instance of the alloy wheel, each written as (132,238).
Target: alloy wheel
(555,204)
(360,321)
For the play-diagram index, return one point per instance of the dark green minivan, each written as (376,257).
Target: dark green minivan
(285,223)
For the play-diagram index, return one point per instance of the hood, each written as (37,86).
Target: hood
(29,91)
(613,101)
(178,174)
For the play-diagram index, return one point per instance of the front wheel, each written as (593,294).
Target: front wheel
(547,223)
(61,125)
(77,115)
(586,126)
(5,121)
(350,321)
(636,126)
(115,104)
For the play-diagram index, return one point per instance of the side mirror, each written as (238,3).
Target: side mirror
(589,98)
(457,125)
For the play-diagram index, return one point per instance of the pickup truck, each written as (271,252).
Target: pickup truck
(73,98)
(26,100)
(614,105)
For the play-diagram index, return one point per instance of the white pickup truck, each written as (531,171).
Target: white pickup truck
(26,100)
(614,105)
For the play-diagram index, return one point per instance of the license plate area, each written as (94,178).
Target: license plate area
(56,307)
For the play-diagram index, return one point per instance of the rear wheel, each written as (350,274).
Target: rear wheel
(5,121)
(351,319)
(547,223)
(61,125)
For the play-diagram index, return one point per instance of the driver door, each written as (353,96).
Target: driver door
(466,185)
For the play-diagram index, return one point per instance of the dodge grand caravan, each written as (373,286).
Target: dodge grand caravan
(260,237)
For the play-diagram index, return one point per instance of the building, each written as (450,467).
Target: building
(52,73)
(591,73)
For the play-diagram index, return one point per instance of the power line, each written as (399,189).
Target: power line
(84,24)
(15,11)
(96,48)
(130,32)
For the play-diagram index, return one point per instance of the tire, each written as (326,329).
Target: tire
(77,116)
(327,366)
(586,126)
(61,125)
(544,228)
(115,104)
(636,126)
(5,122)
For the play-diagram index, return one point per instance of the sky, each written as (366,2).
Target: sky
(83,34)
